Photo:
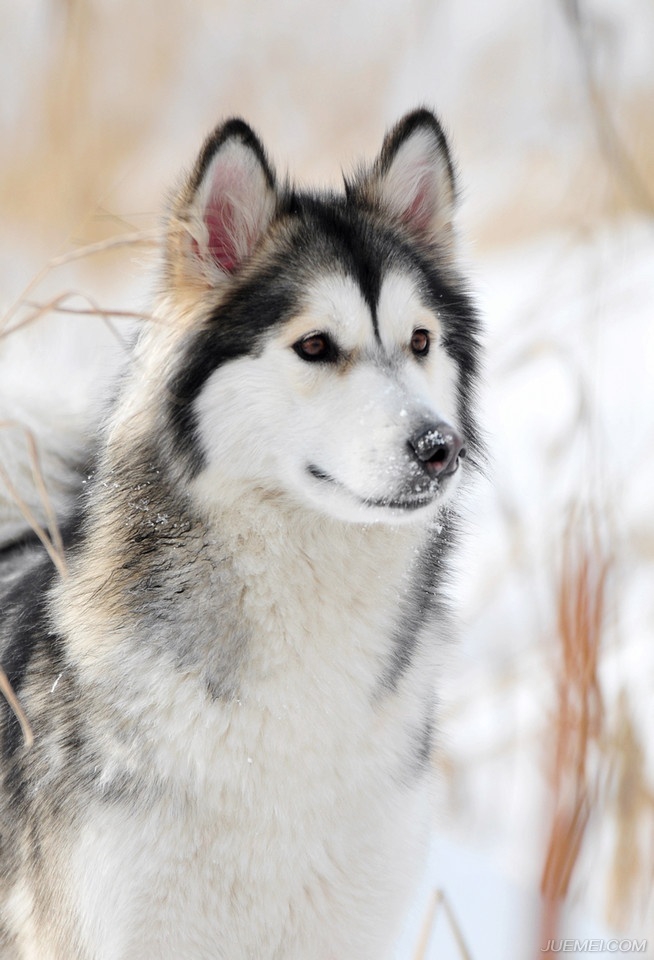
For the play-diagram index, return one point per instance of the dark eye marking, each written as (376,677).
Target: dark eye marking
(420,342)
(316,347)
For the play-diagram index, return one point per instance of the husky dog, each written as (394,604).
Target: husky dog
(231,685)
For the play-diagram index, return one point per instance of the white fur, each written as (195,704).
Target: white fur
(285,807)
(264,419)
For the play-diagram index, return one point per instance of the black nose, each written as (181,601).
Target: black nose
(438,449)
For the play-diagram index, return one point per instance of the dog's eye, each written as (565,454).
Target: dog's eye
(420,342)
(317,346)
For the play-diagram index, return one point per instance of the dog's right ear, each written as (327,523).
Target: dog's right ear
(224,209)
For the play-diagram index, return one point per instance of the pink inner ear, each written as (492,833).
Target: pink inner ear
(419,213)
(220,220)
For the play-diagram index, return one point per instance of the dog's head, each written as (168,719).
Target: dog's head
(331,350)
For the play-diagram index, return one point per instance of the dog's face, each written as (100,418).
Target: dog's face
(335,365)
(354,413)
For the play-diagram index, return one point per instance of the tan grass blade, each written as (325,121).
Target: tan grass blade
(8,693)
(579,720)
(439,899)
(142,237)
(51,540)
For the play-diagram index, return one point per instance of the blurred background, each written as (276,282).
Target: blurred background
(544,826)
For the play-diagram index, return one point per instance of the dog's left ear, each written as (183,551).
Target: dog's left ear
(224,209)
(413,179)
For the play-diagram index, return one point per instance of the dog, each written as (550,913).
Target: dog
(231,684)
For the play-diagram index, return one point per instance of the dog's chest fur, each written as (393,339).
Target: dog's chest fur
(266,794)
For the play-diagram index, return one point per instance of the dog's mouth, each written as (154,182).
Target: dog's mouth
(414,502)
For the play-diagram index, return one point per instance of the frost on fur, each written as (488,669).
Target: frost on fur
(225,208)
(413,179)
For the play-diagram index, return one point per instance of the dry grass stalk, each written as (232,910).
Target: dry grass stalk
(59,304)
(632,869)
(136,238)
(8,693)
(579,718)
(440,900)
(51,539)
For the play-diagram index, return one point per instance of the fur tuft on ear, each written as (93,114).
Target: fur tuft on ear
(413,179)
(224,209)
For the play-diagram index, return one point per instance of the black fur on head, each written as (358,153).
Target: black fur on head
(273,240)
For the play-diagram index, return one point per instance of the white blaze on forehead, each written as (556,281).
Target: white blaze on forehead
(401,311)
(335,304)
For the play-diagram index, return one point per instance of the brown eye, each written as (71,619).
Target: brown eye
(317,346)
(420,342)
